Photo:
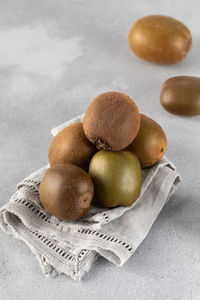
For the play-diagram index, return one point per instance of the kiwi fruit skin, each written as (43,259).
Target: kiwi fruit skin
(112,121)
(71,146)
(150,144)
(160,39)
(180,95)
(66,192)
(116,177)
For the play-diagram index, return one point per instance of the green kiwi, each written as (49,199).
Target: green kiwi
(116,176)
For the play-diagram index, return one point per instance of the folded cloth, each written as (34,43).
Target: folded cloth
(72,247)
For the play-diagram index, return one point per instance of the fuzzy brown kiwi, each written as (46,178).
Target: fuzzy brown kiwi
(150,144)
(66,192)
(71,146)
(112,121)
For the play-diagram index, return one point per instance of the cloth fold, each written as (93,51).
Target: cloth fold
(72,247)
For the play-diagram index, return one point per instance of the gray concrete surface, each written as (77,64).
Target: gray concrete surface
(55,57)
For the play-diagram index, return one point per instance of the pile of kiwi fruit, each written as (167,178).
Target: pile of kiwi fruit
(99,160)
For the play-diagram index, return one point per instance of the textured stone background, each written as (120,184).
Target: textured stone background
(55,57)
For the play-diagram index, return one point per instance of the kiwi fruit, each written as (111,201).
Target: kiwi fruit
(71,146)
(66,192)
(150,144)
(160,39)
(112,121)
(116,176)
(180,95)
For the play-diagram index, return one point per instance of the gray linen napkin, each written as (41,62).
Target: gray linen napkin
(72,247)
